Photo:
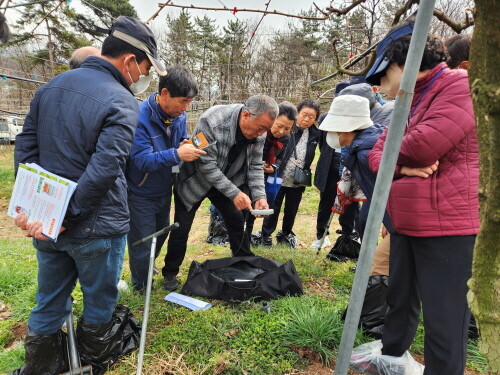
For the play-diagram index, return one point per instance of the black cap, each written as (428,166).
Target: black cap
(138,35)
(340,86)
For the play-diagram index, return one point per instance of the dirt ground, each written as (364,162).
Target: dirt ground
(7,227)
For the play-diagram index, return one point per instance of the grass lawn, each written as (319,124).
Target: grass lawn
(300,335)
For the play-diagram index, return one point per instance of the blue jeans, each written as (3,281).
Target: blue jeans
(147,216)
(95,262)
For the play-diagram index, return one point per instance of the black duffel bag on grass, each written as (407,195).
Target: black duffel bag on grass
(241,278)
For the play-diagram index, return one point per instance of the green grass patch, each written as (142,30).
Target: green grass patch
(11,359)
(230,339)
(6,170)
(475,359)
(312,322)
(6,334)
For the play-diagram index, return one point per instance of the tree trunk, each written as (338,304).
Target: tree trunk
(50,45)
(484,294)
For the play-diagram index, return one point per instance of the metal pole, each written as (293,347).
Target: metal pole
(325,233)
(157,234)
(149,284)
(22,79)
(146,307)
(73,353)
(383,183)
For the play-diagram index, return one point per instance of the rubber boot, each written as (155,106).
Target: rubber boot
(45,355)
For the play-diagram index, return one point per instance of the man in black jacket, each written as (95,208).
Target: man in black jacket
(80,126)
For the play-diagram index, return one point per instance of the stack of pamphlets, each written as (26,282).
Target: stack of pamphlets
(43,196)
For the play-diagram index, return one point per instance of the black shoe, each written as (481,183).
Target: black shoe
(280,237)
(289,239)
(170,283)
(256,239)
(267,241)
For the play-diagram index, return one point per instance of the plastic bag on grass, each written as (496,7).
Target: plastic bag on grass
(217,230)
(374,307)
(368,359)
(272,185)
(346,247)
(102,345)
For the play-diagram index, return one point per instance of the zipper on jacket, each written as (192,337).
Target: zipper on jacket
(143,179)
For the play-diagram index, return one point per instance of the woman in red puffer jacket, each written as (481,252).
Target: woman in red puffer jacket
(433,205)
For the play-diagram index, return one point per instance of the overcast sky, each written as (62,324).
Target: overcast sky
(146,9)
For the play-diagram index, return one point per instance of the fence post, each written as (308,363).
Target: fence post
(383,183)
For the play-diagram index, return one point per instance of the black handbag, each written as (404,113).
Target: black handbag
(301,177)
(241,278)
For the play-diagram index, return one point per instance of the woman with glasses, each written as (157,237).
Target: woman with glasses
(299,153)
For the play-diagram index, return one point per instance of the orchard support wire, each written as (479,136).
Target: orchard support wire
(383,183)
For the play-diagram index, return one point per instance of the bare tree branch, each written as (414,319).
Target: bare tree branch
(157,12)
(342,70)
(255,30)
(48,14)
(403,10)
(345,10)
(458,27)
(373,57)
(320,10)
(235,9)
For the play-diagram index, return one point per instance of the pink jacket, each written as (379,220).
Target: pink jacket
(442,128)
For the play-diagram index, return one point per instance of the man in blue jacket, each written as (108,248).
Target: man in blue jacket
(80,126)
(159,146)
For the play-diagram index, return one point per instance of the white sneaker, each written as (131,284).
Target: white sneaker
(315,244)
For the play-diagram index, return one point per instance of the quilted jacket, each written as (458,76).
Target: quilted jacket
(80,126)
(442,127)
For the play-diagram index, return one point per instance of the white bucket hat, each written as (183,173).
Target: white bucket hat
(348,113)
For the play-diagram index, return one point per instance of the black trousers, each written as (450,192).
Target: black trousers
(432,271)
(177,241)
(327,199)
(292,197)
(348,219)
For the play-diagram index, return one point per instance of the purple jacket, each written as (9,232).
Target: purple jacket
(442,127)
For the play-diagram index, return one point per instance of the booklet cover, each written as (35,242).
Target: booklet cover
(199,141)
(42,196)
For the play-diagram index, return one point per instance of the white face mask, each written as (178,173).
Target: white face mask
(142,83)
(332,139)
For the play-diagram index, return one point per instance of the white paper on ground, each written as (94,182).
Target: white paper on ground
(189,302)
